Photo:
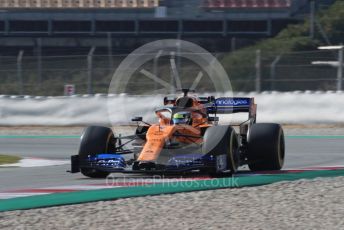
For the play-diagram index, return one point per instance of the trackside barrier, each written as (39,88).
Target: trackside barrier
(277,107)
(58,199)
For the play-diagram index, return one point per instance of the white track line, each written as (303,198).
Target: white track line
(9,195)
(36,162)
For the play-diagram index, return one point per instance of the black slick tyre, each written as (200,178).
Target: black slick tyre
(220,140)
(95,140)
(266,147)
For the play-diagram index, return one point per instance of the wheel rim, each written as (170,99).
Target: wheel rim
(233,153)
(281,147)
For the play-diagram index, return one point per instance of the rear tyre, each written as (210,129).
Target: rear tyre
(220,140)
(95,139)
(266,147)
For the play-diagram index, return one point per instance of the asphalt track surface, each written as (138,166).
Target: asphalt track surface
(301,152)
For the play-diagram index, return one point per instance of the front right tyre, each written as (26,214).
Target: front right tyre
(222,140)
(95,140)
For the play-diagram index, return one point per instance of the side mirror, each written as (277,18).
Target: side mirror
(169,100)
(213,119)
(137,119)
(211,99)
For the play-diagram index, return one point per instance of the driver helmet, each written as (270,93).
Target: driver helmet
(182,118)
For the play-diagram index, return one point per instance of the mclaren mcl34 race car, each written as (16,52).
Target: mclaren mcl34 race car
(188,137)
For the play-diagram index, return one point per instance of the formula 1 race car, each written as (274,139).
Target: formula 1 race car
(188,137)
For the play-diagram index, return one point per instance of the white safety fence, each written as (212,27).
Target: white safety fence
(286,108)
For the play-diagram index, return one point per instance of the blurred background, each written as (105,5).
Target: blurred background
(57,47)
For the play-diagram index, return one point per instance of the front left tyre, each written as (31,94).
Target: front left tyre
(266,147)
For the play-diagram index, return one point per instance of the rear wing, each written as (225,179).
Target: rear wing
(229,105)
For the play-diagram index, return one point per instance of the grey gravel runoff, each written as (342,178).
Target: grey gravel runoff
(303,204)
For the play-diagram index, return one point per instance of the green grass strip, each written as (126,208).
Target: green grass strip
(79,197)
(4,159)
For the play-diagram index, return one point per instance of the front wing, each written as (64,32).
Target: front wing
(183,163)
